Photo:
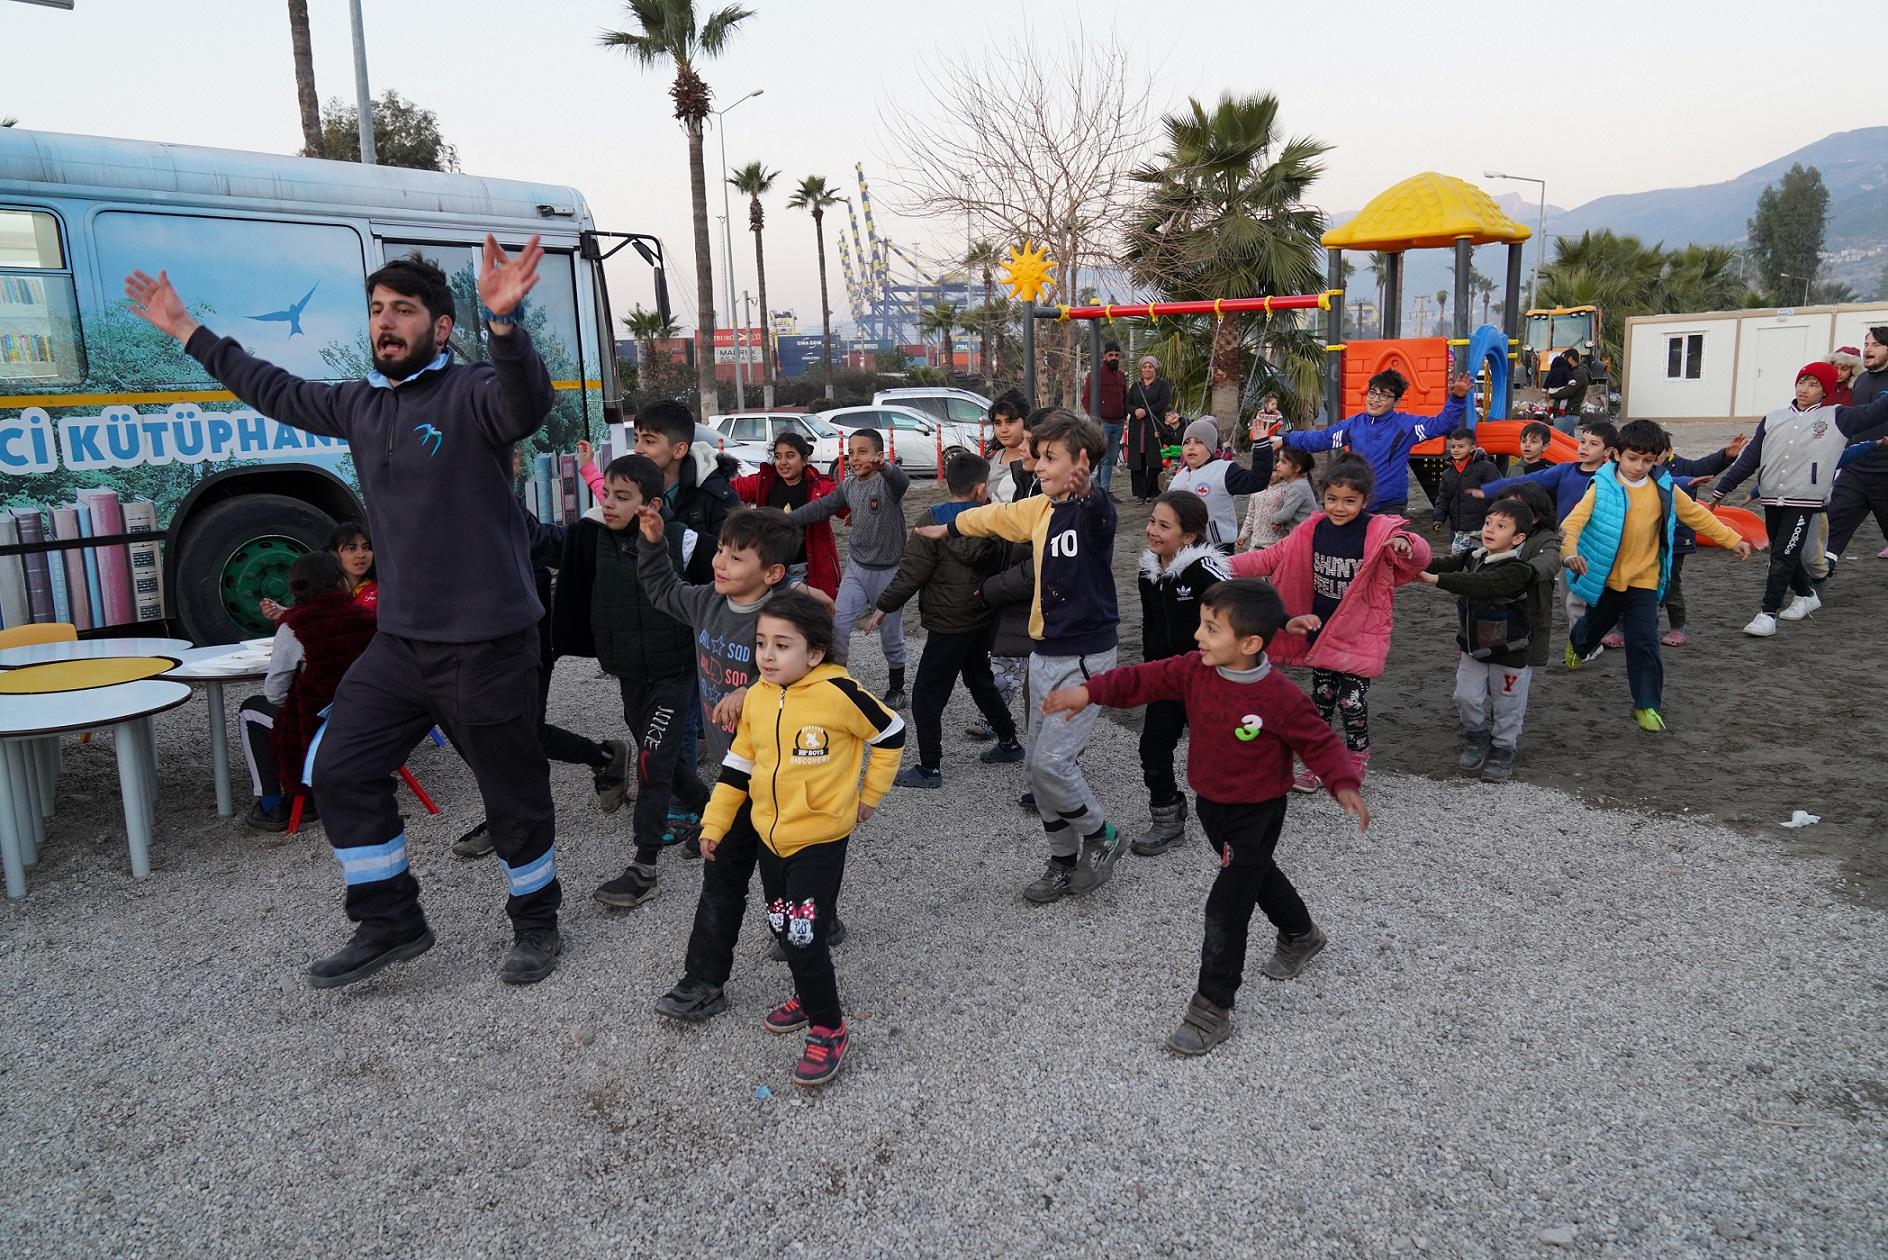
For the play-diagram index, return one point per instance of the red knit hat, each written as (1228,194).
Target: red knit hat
(1825,374)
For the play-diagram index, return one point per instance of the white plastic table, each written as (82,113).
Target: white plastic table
(201,665)
(90,649)
(124,708)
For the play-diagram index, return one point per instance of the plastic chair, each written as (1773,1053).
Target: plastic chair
(406,776)
(38,632)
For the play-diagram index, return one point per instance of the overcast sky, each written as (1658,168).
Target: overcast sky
(1647,95)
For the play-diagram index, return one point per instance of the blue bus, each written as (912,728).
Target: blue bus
(107,429)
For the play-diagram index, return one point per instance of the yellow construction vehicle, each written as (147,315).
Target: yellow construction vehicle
(1549,330)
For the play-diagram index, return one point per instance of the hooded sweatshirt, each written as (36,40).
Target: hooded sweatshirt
(1170,597)
(1797,451)
(701,498)
(433,455)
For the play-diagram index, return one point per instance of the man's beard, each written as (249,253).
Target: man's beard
(399,368)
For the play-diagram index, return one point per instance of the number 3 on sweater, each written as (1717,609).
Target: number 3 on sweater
(1063,545)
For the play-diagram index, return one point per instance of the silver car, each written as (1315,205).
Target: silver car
(918,441)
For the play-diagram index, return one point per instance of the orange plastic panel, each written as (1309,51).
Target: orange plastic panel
(1748,525)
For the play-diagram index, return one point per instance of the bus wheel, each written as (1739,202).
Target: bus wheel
(236,554)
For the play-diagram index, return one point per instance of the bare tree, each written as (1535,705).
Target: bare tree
(1033,141)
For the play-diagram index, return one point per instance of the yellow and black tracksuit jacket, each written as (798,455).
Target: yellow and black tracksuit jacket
(796,755)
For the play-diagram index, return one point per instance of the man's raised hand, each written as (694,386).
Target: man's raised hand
(503,280)
(157,304)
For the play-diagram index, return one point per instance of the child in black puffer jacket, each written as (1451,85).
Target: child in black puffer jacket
(1176,569)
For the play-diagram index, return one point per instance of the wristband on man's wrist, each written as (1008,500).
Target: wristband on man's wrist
(513,316)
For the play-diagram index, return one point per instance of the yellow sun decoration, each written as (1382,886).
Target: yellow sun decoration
(1028,272)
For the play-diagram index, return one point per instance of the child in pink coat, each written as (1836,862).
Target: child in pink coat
(1338,573)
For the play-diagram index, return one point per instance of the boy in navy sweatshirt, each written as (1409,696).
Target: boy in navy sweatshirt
(1073,622)
(1246,720)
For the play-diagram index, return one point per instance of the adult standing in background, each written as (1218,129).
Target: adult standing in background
(457,645)
(1110,412)
(1862,485)
(1149,399)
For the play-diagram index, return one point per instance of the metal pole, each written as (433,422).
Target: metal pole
(1334,335)
(727,238)
(1029,353)
(1540,251)
(1391,324)
(1511,323)
(364,100)
(1464,262)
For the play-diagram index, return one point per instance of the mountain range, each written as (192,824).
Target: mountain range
(1854,167)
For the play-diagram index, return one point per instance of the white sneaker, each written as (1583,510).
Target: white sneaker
(1800,607)
(1763,625)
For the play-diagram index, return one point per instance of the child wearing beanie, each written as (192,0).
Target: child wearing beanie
(1794,453)
(1218,480)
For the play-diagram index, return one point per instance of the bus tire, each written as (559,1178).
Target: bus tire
(236,553)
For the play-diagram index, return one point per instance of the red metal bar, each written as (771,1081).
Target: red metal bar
(1211,306)
(406,776)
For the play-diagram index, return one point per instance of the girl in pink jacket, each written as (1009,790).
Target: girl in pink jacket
(1338,573)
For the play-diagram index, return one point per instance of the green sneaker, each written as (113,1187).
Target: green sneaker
(1648,719)
(1572,658)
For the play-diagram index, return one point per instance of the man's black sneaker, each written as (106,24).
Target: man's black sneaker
(533,956)
(363,956)
(267,819)
(834,938)
(476,843)
(1027,800)
(692,1002)
(1003,752)
(634,886)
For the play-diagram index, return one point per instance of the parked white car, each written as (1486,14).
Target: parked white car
(757,431)
(961,407)
(911,435)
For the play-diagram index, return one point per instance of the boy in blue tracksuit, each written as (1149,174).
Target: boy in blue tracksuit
(1382,437)
(1073,622)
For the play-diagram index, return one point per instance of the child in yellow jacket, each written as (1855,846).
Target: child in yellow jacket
(805,727)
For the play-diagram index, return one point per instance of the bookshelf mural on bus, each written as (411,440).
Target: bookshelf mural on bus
(292,293)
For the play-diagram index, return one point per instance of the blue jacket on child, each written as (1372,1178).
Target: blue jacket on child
(1566,482)
(1384,442)
(1599,541)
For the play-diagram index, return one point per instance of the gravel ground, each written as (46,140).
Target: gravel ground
(1547,1028)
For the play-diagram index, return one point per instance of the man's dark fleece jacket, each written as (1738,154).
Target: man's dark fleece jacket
(434,460)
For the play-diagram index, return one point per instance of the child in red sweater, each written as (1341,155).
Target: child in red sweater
(1247,720)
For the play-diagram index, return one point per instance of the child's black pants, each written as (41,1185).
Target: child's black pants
(1244,836)
(947,657)
(801,892)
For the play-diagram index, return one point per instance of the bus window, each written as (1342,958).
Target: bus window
(39,314)
(550,318)
(289,292)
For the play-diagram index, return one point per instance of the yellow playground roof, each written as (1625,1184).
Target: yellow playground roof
(1426,211)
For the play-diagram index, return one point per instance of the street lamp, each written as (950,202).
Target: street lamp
(1540,236)
(1807,281)
(727,235)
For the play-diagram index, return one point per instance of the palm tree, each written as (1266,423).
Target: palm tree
(1442,310)
(1225,216)
(755,179)
(985,255)
(670,33)
(305,77)
(814,196)
(648,327)
(940,319)
(1379,268)
(1483,285)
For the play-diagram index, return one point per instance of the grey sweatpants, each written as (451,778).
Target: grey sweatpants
(859,590)
(1064,800)
(1492,698)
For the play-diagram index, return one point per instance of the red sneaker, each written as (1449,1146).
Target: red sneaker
(785,1018)
(825,1051)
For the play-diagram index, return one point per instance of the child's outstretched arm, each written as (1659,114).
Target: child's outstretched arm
(914,570)
(1014,521)
(1700,519)
(1747,463)
(1409,555)
(1570,534)
(588,470)
(1259,563)
(1243,480)
(1125,687)
(655,570)
(827,505)
(1323,753)
(731,789)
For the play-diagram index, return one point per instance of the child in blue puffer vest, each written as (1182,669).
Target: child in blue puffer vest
(1618,546)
